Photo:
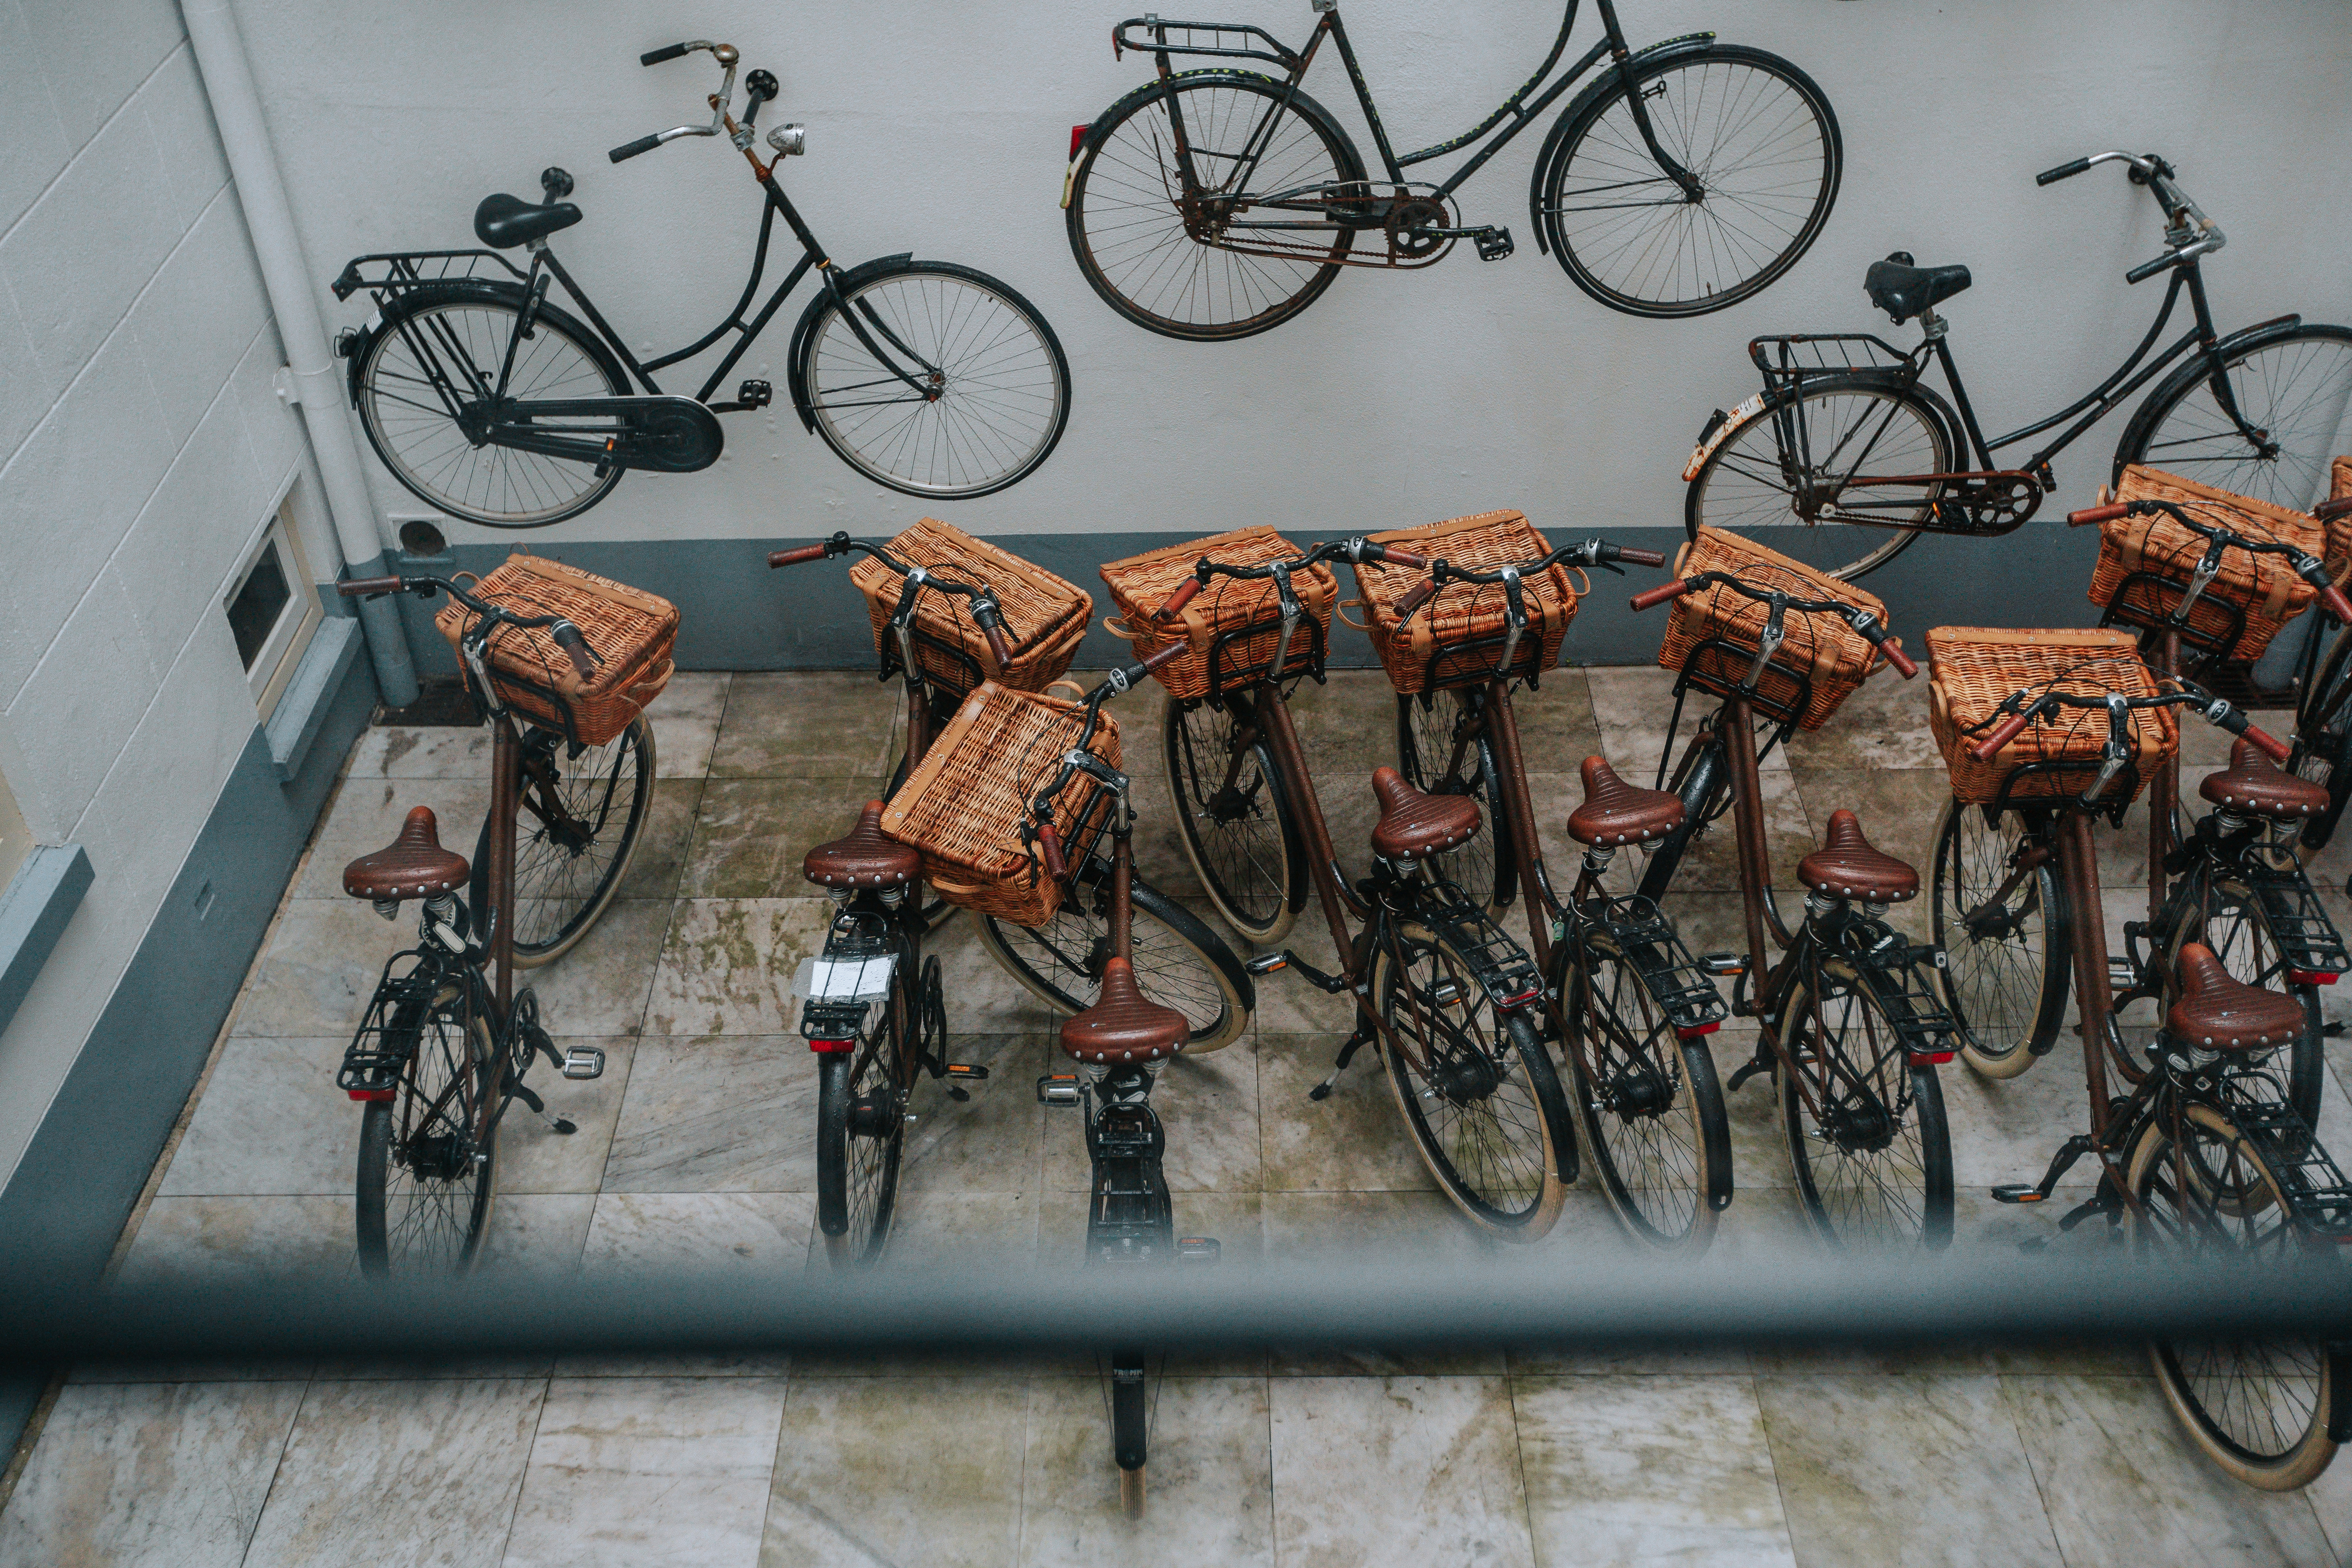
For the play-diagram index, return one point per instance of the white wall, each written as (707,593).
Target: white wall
(144,452)
(1400,397)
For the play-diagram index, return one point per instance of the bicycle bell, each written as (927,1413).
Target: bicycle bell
(789,141)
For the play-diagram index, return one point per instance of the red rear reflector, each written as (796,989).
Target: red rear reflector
(831,1045)
(2309,977)
(372,1094)
(1077,135)
(1701,1029)
(1930,1058)
(1522,999)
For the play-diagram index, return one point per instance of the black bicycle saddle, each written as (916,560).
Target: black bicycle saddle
(503,222)
(1903,290)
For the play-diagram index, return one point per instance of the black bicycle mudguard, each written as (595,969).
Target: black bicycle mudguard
(1607,82)
(2339,1384)
(796,383)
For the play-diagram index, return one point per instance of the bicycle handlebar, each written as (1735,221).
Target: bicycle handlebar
(1649,598)
(425,585)
(358,587)
(2047,176)
(985,612)
(1041,806)
(1866,625)
(727,56)
(1355,551)
(2188,231)
(2214,710)
(656,57)
(2219,539)
(2329,511)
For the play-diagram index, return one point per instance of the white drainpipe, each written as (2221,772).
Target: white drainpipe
(317,378)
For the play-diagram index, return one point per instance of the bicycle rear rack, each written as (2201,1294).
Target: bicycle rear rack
(372,1061)
(2316,1188)
(395,274)
(1677,983)
(1788,362)
(1500,965)
(2307,939)
(1224,40)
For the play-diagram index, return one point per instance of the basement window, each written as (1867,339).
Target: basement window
(273,610)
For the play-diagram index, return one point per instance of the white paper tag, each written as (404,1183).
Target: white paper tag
(843,979)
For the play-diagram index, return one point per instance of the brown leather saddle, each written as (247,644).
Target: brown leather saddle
(1847,866)
(413,866)
(1124,1025)
(1615,812)
(1413,824)
(866,857)
(2252,784)
(2221,1013)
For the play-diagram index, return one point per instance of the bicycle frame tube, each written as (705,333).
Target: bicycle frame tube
(2078,871)
(1520,820)
(506,770)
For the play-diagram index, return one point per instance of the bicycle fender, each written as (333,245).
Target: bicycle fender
(1306,104)
(1607,82)
(796,383)
(1722,428)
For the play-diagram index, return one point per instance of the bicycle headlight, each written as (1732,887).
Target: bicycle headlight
(789,141)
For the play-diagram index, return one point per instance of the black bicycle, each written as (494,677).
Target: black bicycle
(1218,203)
(498,406)
(1845,432)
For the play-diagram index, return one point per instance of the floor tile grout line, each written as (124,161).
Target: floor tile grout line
(1779,1486)
(285,1441)
(538,1418)
(2040,1489)
(1519,1458)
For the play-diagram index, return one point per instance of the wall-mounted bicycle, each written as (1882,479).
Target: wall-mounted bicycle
(1846,432)
(501,408)
(1218,203)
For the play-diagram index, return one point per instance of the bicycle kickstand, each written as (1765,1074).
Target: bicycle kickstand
(1356,1042)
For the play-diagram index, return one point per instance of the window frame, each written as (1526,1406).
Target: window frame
(273,668)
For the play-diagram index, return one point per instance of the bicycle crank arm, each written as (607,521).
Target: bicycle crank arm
(667,435)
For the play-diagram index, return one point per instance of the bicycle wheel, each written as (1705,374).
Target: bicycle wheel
(1484,868)
(1479,1095)
(439,350)
(2237,930)
(1764,145)
(1179,962)
(1782,475)
(1654,1113)
(1165,261)
(426,1182)
(861,1131)
(2258,1409)
(2323,740)
(1235,823)
(995,392)
(576,826)
(1867,1138)
(2007,942)
(2291,384)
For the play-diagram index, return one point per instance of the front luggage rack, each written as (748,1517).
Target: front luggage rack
(1228,41)
(1787,361)
(390,276)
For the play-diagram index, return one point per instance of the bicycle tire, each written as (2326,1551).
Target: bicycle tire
(553,909)
(1871,1209)
(1001,385)
(2323,740)
(1243,843)
(1653,1112)
(1600,142)
(419,441)
(2006,976)
(2278,1457)
(1520,1199)
(2294,383)
(1484,868)
(1759,496)
(861,1134)
(423,1198)
(1180,962)
(1223,294)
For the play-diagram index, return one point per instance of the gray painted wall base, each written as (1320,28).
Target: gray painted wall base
(82,1172)
(735,614)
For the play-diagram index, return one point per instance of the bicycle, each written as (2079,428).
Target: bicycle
(494,405)
(2207,1152)
(443,1047)
(1685,177)
(2008,918)
(1848,1026)
(1854,436)
(2323,717)
(1453,1005)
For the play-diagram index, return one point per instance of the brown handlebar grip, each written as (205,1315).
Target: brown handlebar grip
(2005,732)
(795,556)
(2331,600)
(1661,593)
(1049,845)
(2279,749)
(1640,557)
(1164,654)
(1898,659)
(576,647)
(1417,596)
(2091,514)
(1406,558)
(2329,511)
(354,587)
(1182,596)
(1000,646)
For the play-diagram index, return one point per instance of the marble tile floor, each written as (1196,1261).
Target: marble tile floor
(697,1146)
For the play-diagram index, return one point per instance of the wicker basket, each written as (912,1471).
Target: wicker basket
(1712,635)
(1045,617)
(632,633)
(2338,553)
(1457,637)
(2144,565)
(1218,622)
(963,808)
(1977,669)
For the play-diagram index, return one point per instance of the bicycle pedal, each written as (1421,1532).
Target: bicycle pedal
(1196,1249)
(1723,963)
(755,394)
(583,1062)
(1494,244)
(2018,1193)
(972,1071)
(1058,1089)
(2122,973)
